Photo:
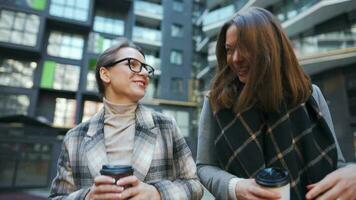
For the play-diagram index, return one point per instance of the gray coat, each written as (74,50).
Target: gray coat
(211,175)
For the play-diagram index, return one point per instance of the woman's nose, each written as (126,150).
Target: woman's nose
(236,56)
(144,72)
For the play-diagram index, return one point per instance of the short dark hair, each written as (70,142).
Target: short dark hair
(109,56)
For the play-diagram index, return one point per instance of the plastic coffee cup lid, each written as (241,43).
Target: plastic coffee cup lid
(115,169)
(272,177)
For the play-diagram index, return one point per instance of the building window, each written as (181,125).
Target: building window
(177,86)
(98,43)
(91,80)
(176,57)
(17,73)
(90,109)
(60,76)
(177,30)
(71,9)
(65,45)
(13,104)
(64,114)
(108,23)
(19,28)
(178,5)
(33,4)
(182,119)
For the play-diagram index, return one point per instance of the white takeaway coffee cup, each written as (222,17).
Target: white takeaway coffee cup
(275,179)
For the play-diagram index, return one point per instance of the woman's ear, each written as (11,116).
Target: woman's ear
(105,75)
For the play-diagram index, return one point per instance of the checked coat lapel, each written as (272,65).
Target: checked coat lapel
(144,143)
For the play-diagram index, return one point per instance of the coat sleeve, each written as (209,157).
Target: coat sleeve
(63,187)
(324,109)
(215,179)
(185,185)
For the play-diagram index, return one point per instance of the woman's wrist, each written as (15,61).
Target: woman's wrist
(232,187)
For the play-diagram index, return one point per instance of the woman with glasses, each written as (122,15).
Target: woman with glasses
(262,111)
(125,133)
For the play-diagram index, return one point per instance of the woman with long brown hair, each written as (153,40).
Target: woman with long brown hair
(262,111)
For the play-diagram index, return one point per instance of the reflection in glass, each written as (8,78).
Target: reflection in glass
(65,45)
(77,10)
(60,76)
(64,114)
(15,26)
(13,104)
(107,22)
(17,73)
(325,42)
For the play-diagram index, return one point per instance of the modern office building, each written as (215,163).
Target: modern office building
(48,51)
(323,33)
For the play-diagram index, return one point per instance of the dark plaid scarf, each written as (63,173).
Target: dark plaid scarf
(296,139)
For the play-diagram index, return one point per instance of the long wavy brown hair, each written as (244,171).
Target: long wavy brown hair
(275,75)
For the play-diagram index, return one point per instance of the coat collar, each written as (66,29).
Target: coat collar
(144,142)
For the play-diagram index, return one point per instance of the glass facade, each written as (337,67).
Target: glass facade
(98,43)
(285,10)
(64,114)
(326,42)
(33,4)
(16,73)
(71,9)
(91,80)
(149,9)
(60,76)
(19,28)
(14,104)
(107,22)
(65,45)
(219,15)
(147,35)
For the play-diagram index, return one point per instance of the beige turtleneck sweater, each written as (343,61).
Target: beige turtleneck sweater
(119,132)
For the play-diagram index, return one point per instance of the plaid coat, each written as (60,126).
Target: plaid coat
(160,157)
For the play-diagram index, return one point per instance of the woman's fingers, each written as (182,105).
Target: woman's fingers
(103,180)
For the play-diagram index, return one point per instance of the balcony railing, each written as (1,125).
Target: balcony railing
(147,36)
(217,17)
(211,52)
(148,9)
(325,42)
(291,9)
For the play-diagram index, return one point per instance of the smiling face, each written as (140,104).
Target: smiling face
(121,84)
(233,58)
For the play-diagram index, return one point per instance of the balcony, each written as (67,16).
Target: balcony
(147,36)
(211,52)
(215,19)
(315,12)
(201,44)
(148,12)
(325,42)
(256,3)
(315,64)
(212,3)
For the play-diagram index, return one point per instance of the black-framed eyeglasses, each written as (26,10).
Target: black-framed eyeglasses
(135,66)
